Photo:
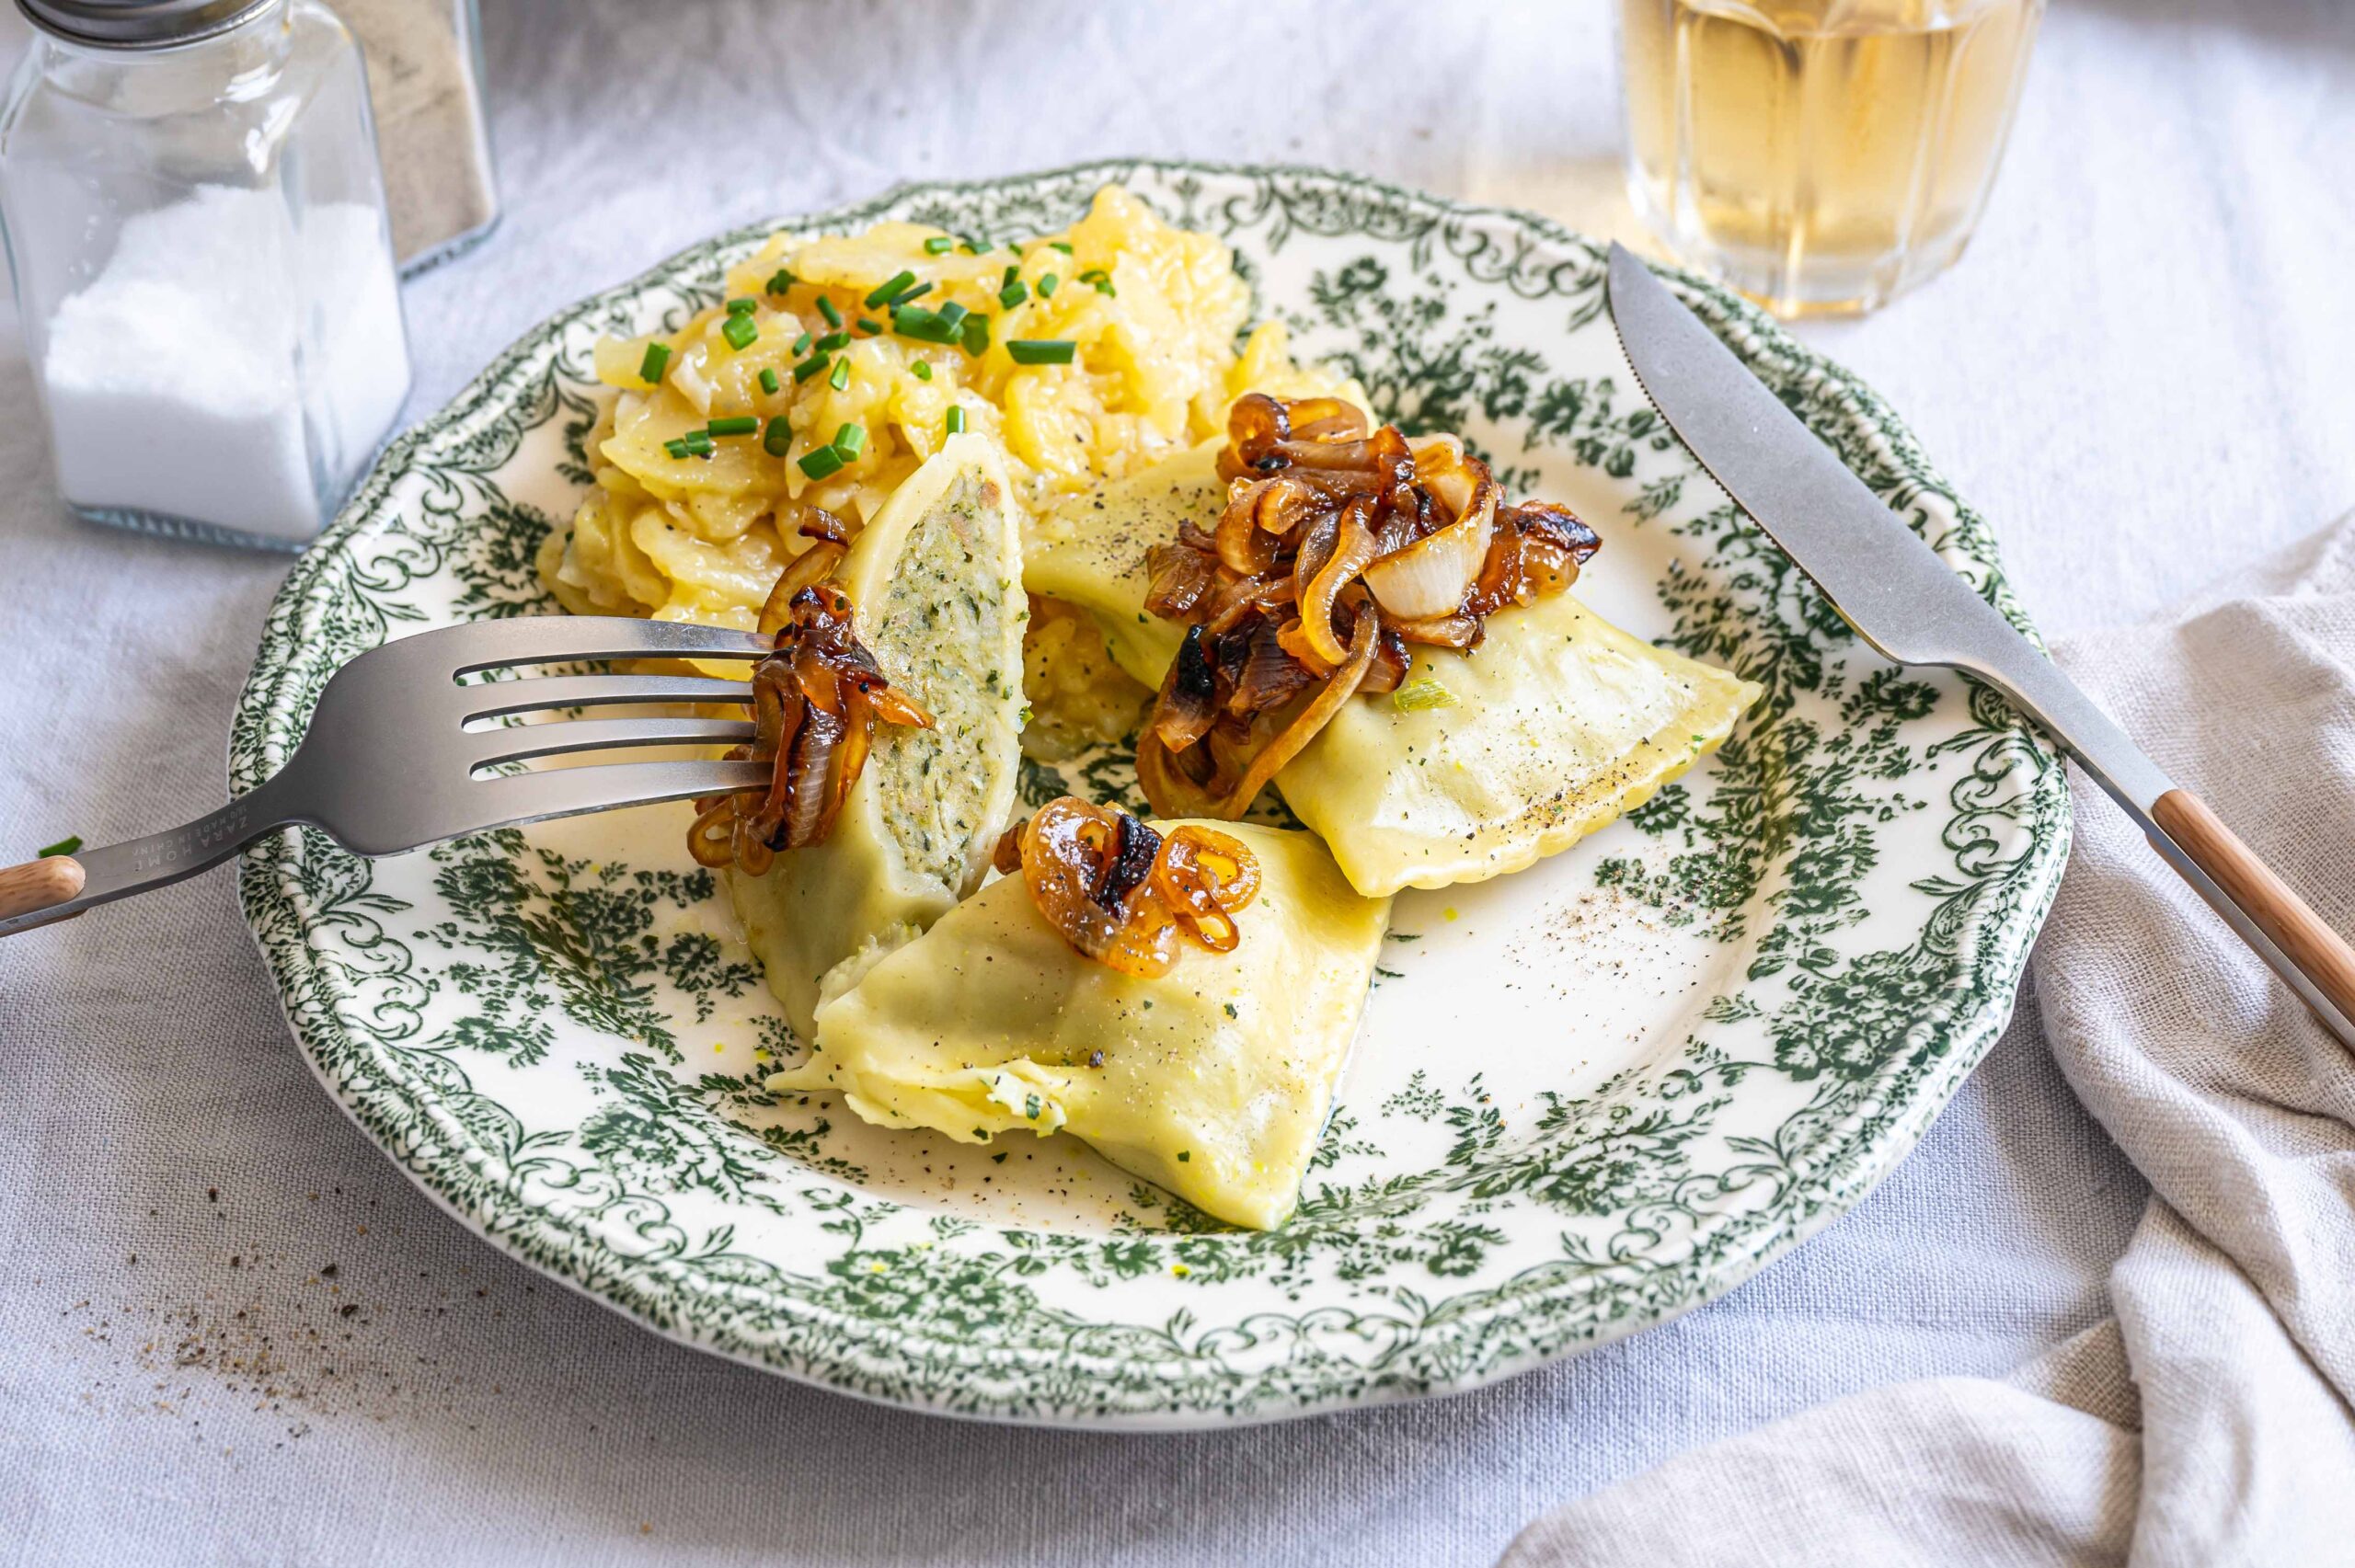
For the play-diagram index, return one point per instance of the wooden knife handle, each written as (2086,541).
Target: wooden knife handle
(2318,951)
(38,884)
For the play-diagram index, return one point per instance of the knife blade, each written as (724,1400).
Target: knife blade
(1913,608)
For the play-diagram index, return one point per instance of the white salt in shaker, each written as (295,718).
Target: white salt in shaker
(195,220)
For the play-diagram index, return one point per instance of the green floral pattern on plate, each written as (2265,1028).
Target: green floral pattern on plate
(1701,1034)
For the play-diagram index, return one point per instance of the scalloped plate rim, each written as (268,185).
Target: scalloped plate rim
(1843,1180)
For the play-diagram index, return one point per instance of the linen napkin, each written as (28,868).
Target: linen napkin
(2209,1422)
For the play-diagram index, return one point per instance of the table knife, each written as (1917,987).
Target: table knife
(1912,609)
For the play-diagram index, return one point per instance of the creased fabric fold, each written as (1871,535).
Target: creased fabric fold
(2210,1421)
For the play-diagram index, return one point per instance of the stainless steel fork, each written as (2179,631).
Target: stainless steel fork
(390,763)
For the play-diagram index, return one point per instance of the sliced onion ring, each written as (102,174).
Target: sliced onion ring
(1352,549)
(812,565)
(1123,894)
(1432,576)
(1173,794)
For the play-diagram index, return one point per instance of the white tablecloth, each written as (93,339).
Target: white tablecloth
(230,1332)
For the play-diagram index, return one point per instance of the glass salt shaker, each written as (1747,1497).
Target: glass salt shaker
(195,221)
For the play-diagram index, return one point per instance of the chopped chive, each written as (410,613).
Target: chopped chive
(1418,696)
(971,246)
(1013,294)
(768,380)
(740,332)
(823,464)
(658,359)
(1101,281)
(780,280)
(826,308)
(1040,350)
(939,244)
(832,341)
(1047,286)
(909,296)
(810,367)
(976,336)
(675,448)
(869,325)
(924,370)
(955,423)
(1058,244)
(735,425)
(890,287)
(66,845)
(699,442)
(777,437)
(850,441)
(741,306)
(924,325)
(952,317)
(841,378)
(1012,269)
(801,344)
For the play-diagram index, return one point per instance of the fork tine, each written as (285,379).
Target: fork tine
(517,798)
(514,745)
(498,698)
(548,639)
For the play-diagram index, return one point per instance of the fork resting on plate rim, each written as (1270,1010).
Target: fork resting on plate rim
(389,762)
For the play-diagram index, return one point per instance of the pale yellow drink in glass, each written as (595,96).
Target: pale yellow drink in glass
(1819,154)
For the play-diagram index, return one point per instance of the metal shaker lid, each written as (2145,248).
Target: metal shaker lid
(137,24)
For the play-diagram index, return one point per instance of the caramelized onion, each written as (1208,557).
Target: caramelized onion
(1353,551)
(1255,426)
(1389,665)
(1328,525)
(816,700)
(1269,676)
(1125,895)
(1180,574)
(1323,420)
(1432,576)
(1243,546)
(1189,699)
(1457,631)
(1340,687)
(1204,875)
(813,564)
(1440,465)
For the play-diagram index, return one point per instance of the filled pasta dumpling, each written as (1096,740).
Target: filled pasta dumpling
(931,580)
(1213,1079)
(1089,551)
(1558,724)
(1468,763)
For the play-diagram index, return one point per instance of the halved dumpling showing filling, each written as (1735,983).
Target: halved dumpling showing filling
(1213,1079)
(933,580)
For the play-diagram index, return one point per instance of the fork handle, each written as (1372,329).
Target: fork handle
(2319,955)
(57,887)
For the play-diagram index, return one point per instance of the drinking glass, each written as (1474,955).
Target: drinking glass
(1820,156)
